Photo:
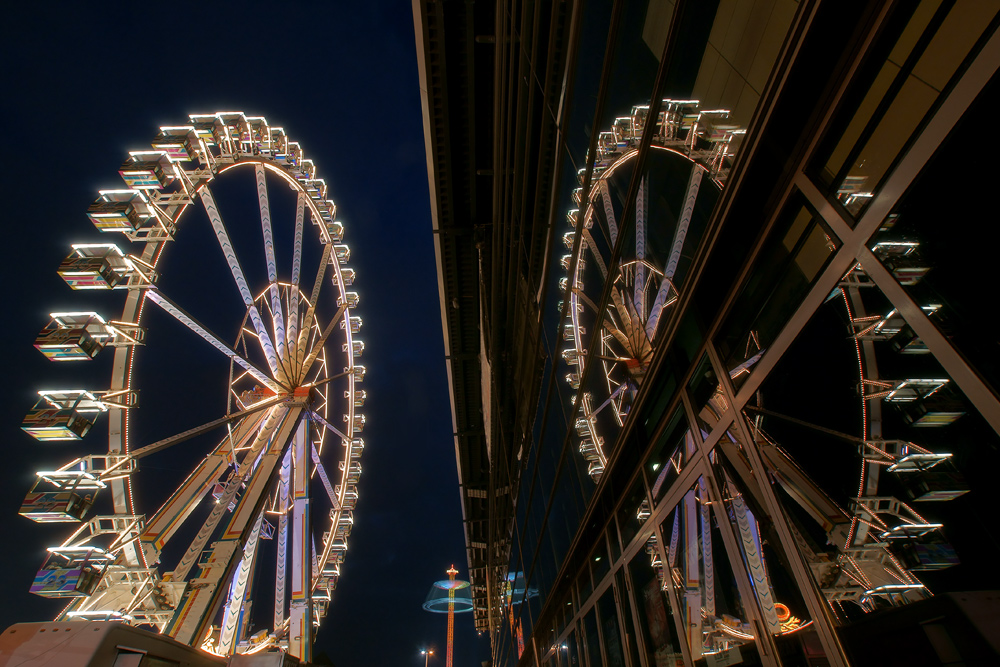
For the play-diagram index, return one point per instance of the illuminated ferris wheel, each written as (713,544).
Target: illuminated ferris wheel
(265,512)
(876,540)
(645,283)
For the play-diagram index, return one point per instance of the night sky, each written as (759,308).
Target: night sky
(82,87)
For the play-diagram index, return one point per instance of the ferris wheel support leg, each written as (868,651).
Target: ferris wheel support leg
(708,596)
(300,627)
(692,575)
(871,409)
(229,636)
(750,537)
(178,508)
(204,594)
(280,587)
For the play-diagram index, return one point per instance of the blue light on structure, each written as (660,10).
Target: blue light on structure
(437,599)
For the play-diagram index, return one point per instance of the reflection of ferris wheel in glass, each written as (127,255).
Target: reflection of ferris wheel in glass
(874,541)
(676,196)
(281,466)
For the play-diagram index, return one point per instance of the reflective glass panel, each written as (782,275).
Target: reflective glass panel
(654,617)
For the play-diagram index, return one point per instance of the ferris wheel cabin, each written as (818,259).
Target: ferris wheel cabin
(146,170)
(119,211)
(56,506)
(67,344)
(53,424)
(63,496)
(94,266)
(62,415)
(71,572)
(179,144)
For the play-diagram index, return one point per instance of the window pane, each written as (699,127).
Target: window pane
(782,274)
(669,456)
(599,561)
(944,271)
(711,608)
(614,656)
(654,615)
(592,639)
(926,45)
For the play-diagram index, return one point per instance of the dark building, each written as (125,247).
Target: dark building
(715,288)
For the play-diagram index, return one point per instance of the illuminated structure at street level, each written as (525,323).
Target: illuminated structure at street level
(282,463)
(745,398)
(449,596)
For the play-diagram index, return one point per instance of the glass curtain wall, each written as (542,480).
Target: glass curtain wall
(729,482)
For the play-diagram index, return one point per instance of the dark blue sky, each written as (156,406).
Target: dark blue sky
(81,87)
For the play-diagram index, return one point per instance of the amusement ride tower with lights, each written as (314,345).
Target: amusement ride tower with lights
(449,596)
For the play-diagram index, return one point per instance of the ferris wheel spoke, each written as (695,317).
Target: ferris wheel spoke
(580,296)
(680,234)
(265,223)
(616,333)
(300,210)
(609,210)
(239,588)
(663,300)
(241,282)
(272,266)
(280,586)
(293,293)
(318,346)
(639,286)
(184,318)
(204,428)
(589,238)
(746,365)
(333,429)
(623,313)
(634,322)
(608,401)
(301,344)
(331,494)
(321,569)
(591,429)
(320,274)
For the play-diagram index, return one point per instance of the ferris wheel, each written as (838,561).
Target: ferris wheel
(651,267)
(265,512)
(876,540)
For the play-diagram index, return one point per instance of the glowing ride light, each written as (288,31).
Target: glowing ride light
(450,596)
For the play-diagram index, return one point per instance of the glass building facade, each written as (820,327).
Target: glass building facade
(715,284)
